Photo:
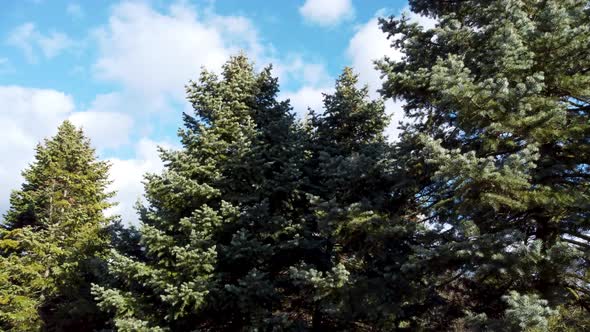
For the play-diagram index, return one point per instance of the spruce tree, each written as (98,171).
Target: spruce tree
(224,231)
(348,140)
(52,237)
(360,206)
(499,149)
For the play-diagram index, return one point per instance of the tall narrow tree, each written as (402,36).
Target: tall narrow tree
(52,236)
(361,211)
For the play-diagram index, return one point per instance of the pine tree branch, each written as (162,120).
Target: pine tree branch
(584,245)
(581,236)
(450,280)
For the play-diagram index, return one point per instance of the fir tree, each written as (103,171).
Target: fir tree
(361,211)
(499,91)
(52,237)
(223,230)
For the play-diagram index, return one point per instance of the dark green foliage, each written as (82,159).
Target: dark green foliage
(500,91)
(364,212)
(225,228)
(476,219)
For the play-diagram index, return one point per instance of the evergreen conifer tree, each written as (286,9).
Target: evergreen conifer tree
(361,209)
(499,91)
(53,236)
(225,228)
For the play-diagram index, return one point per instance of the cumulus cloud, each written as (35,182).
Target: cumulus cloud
(127,176)
(307,98)
(313,80)
(297,69)
(368,44)
(155,54)
(152,54)
(31,115)
(105,129)
(31,41)
(28,116)
(327,12)
(103,122)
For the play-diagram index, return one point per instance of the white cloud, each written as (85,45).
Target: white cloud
(327,12)
(30,115)
(307,97)
(22,37)
(313,80)
(27,116)
(238,33)
(155,54)
(103,122)
(368,44)
(127,176)
(105,129)
(53,43)
(30,40)
(75,10)
(296,68)
(425,21)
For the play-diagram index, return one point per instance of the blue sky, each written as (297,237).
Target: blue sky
(118,68)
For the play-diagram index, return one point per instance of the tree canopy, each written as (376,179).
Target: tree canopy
(53,237)
(499,93)
(475,219)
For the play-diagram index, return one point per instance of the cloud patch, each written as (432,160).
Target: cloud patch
(104,122)
(306,98)
(154,54)
(31,42)
(127,176)
(327,12)
(29,116)
(314,80)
